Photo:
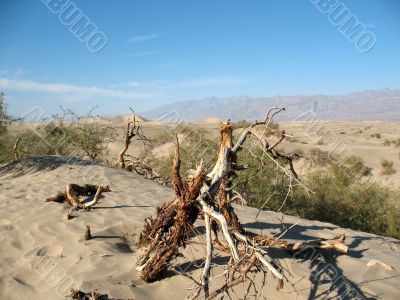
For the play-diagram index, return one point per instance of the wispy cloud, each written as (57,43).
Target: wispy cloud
(190,83)
(74,91)
(213,81)
(143,38)
(156,84)
(139,54)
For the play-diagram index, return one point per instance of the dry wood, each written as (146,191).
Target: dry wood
(88,234)
(72,194)
(133,129)
(211,196)
(16,154)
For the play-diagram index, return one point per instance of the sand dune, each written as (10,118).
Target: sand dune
(210,120)
(43,254)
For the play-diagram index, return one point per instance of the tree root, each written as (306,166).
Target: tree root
(210,195)
(72,194)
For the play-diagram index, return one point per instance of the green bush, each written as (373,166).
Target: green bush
(84,140)
(194,147)
(91,140)
(340,195)
(241,124)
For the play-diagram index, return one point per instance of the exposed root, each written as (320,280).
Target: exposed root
(74,192)
(79,295)
(211,196)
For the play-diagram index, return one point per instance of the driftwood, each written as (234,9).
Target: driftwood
(210,195)
(80,295)
(72,195)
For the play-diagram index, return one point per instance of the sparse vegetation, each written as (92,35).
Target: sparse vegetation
(299,152)
(84,139)
(387,167)
(397,143)
(387,142)
(241,124)
(376,135)
(3,114)
(342,194)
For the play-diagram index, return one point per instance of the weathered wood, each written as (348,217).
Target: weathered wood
(211,195)
(74,191)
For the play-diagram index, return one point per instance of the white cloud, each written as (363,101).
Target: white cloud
(143,38)
(213,81)
(156,84)
(139,54)
(71,91)
(191,83)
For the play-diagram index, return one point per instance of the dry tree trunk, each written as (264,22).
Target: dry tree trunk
(172,225)
(136,165)
(210,195)
(16,154)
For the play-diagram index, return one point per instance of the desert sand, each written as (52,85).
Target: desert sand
(44,255)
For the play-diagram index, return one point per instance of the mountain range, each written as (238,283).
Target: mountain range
(358,106)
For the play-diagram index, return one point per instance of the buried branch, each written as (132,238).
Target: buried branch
(210,195)
(73,194)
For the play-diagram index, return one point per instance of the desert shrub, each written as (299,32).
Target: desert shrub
(3,114)
(299,152)
(292,139)
(6,148)
(81,139)
(273,125)
(194,147)
(387,167)
(320,142)
(241,124)
(168,134)
(162,138)
(260,180)
(376,135)
(340,196)
(318,157)
(397,143)
(343,132)
(91,140)
(387,142)
(348,202)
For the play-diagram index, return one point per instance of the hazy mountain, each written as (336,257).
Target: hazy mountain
(365,105)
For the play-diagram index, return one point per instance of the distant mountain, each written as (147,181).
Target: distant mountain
(365,105)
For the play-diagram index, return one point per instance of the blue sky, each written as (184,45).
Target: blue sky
(160,52)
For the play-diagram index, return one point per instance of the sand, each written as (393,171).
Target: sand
(43,255)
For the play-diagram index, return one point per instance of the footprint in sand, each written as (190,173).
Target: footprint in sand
(52,250)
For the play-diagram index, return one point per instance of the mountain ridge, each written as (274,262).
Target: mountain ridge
(365,105)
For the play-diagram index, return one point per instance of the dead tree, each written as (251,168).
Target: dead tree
(209,195)
(133,130)
(134,164)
